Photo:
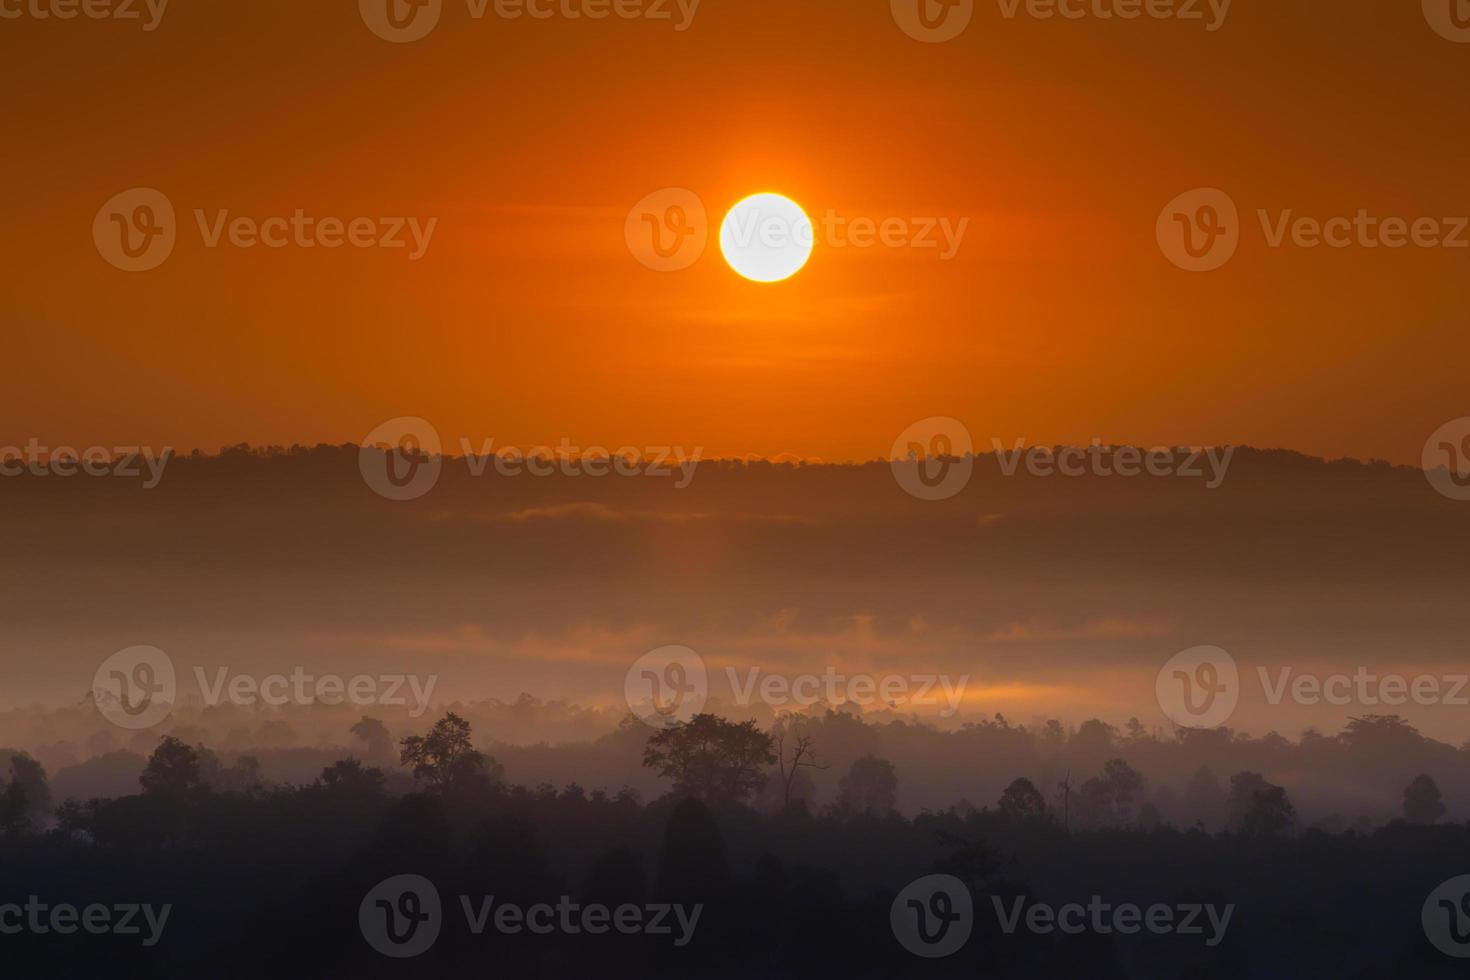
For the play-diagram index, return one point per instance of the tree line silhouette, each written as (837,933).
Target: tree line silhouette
(263,873)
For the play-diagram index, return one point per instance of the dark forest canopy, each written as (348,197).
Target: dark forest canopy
(786,885)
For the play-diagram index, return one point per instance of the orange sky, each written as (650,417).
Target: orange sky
(527,320)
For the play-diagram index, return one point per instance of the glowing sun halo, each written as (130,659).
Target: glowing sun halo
(766,238)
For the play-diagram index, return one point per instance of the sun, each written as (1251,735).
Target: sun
(766,238)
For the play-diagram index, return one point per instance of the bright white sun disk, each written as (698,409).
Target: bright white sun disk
(766,238)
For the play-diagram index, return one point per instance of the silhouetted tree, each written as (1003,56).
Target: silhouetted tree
(172,769)
(802,756)
(447,759)
(375,737)
(1258,808)
(1134,732)
(1422,801)
(1107,800)
(25,799)
(1203,798)
(716,760)
(869,788)
(1380,734)
(349,777)
(1064,796)
(1094,736)
(241,776)
(1022,801)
